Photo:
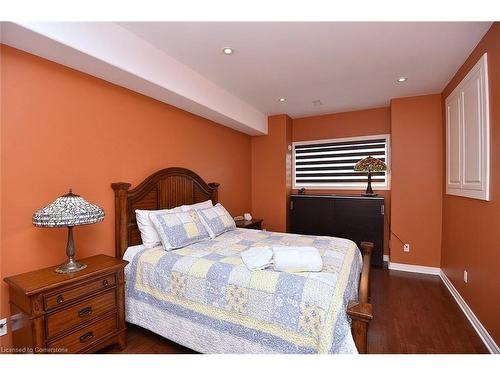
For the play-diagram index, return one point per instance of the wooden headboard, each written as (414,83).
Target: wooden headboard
(168,188)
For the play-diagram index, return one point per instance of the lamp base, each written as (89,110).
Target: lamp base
(369,195)
(70,267)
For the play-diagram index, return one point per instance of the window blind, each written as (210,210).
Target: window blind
(330,164)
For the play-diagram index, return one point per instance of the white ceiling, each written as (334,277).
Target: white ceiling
(348,66)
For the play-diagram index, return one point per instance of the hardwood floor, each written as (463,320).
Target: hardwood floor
(413,313)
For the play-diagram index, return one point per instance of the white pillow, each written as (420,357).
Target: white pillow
(197,206)
(216,220)
(149,235)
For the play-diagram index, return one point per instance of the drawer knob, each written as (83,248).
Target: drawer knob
(60,299)
(85,311)
(87,336)
(105,283)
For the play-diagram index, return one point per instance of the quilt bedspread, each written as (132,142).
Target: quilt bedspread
(288,312)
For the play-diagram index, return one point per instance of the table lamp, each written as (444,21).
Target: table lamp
(370,164)
(68,210)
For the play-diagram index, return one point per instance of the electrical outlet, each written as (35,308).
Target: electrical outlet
(3,326)
(406,247)
(465,276)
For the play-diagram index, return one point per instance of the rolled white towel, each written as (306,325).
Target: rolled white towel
(297,259)
(257,258)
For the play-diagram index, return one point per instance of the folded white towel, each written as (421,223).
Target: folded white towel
(257,258)
(297,259)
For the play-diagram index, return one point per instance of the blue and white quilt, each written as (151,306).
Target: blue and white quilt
(207,285)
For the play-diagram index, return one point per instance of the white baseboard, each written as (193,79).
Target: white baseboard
(481,331)
(414,268)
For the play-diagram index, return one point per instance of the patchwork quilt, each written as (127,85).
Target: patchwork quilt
(206,282)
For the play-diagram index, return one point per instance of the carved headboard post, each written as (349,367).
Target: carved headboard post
(215,192)
(121,214)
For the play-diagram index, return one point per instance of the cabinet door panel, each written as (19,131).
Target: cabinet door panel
(361,220)
(472,156)
(313,216)
(453,141)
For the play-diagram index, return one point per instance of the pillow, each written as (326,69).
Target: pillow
(149,235)
(197,206)
(179,229)
(217,220)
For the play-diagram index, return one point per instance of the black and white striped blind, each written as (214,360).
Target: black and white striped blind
(330,164)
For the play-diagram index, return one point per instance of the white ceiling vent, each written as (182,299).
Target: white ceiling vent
(317,103)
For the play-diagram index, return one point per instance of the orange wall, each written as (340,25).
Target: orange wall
(347,124)
(417,143)
(471,226)
(61,128)
(270,166)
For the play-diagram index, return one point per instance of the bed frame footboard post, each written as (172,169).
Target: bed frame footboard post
(121,220)
(361,311)
(361,314)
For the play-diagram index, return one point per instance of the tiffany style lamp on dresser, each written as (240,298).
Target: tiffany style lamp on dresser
(68,211)
(374,167)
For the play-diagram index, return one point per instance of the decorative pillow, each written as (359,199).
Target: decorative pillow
(217,220)
(179,229)
(149,235)
(197,206)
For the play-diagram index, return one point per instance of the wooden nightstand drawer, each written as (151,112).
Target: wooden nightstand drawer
(60,298)
(80,313)
(87,336)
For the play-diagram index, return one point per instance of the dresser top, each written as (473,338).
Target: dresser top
(335,196)
(47,278)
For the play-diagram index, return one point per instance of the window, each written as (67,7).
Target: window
(329,164)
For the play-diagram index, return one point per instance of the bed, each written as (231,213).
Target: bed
(203,297)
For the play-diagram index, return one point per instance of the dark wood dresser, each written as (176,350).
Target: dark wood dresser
(69,313)
(357,218)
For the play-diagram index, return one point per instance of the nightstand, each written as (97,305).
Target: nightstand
(249,224)
(69,313)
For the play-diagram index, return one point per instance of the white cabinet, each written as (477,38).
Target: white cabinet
(468,135)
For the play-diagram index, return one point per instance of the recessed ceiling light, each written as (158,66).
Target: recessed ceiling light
(227,51)
(402,79)
(282,100)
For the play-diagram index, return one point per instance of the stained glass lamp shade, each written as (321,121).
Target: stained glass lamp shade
(68,210)
(370,164)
